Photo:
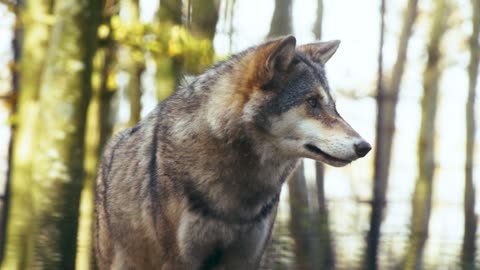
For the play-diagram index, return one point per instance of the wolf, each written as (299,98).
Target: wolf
(196,184)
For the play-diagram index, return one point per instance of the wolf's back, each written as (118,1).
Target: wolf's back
(122,191)
(103,235)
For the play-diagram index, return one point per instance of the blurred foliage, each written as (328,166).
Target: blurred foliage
(170,40)
(178,47)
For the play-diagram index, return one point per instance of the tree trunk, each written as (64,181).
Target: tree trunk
(84,256)
(58,161)
(10,96)
(326,257)
(106,93)
(204,18)
(422,196)
(36,31)
(317,27)
(386,114)
(203,26)
(135,91)
(300,219)
(134,63)
(319,168)
(231,13)
(282,19)
(99,128)
(378,202)
(386,106)
(300,222)
(169,69)
(470,227)
(170,11)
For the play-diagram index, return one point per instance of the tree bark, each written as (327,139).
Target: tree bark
(135,91)
(326,255)
(35,18)
(300,221)
(169,69)
(386,115)
(134,63)
(378,202)
(95,132)
(230,9)
(470,227)
(99,128)
(386,107)
(282,19)
(422,196)
(204,18)
(317,27)
(170,11)
(58,161)
(11,102)
(11,96)
(319,168)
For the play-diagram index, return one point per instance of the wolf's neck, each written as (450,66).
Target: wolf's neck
(234,175)
(224,164)
(236,186)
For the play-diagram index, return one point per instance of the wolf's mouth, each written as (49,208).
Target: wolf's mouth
(316,150)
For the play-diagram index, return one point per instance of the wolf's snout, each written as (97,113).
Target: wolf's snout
(362,148)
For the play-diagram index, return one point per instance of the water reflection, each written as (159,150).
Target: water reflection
(350,217)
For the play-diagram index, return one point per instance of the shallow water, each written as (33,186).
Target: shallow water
(349,223)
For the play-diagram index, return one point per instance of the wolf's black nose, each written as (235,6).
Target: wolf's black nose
(362,148)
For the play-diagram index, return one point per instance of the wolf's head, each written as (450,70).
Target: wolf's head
(288,102)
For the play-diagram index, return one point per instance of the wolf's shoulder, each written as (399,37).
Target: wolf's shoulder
(129,139)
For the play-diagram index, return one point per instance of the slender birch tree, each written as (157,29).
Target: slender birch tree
(422,196)
(470,227)
(169,69)
(98,129)
(386,107)
(36,20)
(379,190)
(57,169)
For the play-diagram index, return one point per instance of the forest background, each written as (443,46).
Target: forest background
(74,72)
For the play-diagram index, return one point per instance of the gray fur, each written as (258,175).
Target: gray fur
(195,185)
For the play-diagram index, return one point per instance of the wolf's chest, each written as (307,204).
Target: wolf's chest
(203,238)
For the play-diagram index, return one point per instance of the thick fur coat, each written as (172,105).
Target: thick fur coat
(195,185)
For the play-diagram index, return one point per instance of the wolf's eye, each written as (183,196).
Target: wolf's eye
(313,102)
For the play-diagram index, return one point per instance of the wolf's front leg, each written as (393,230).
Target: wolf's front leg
(200,239)
(215,245)
(247,251)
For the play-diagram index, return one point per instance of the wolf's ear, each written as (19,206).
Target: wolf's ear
(320,51)
(272,57)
